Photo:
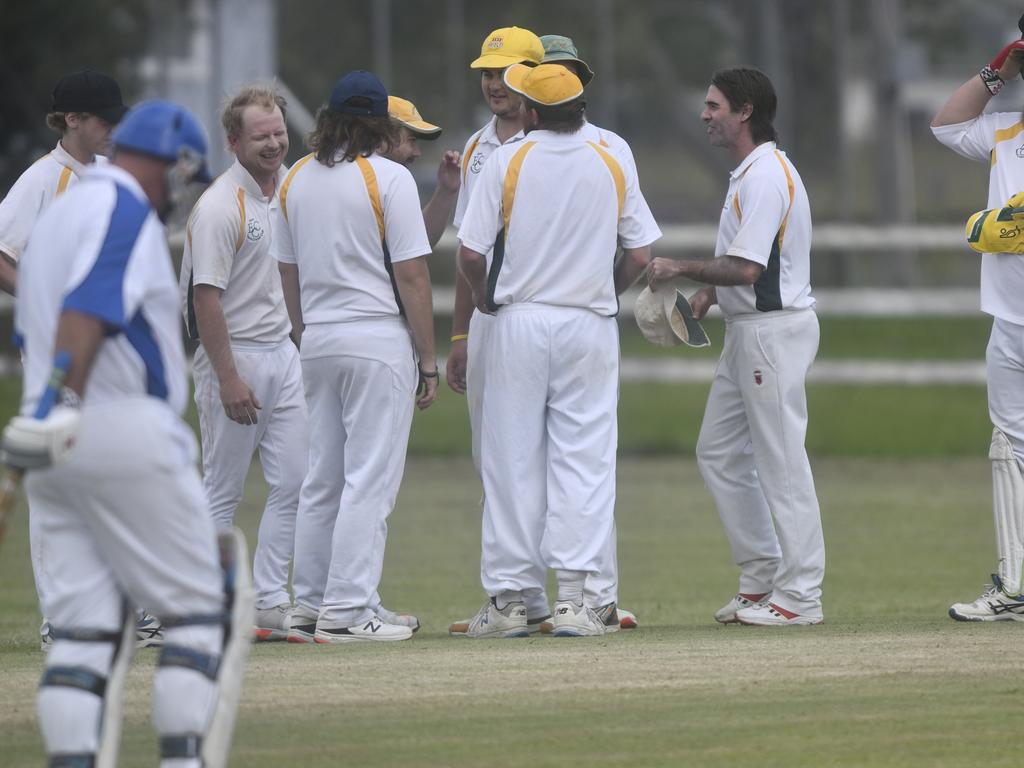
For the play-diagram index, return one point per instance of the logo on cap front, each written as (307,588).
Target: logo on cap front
(496,42)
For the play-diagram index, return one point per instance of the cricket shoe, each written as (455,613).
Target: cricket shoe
(993,605)
(372,630)
(768,614)
(727,613)
(302,625)
(572,620)
(627,619)
(401,619)
(490,622)
(539,625)
(45,636)
(148,631)
(273,623)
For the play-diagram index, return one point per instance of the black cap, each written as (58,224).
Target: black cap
(92,92)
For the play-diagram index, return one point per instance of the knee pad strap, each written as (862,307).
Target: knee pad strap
(189,658)
(82,760)
(79,635)
(194,620)
(75,677)
(182,746)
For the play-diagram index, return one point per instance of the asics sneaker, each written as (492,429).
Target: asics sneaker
(302,625)
(993,605)
(273,623)
(148,631)
(490,622)
(768,614)
(727,613)
(374,629)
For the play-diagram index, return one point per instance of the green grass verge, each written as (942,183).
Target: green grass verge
(888,680)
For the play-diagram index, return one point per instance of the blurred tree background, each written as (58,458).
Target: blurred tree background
(858,81)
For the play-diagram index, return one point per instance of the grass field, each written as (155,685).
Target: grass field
(888,680)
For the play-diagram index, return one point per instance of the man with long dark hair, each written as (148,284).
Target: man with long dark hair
(751,447)
(352,245)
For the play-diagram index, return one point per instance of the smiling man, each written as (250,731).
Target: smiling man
(248,384)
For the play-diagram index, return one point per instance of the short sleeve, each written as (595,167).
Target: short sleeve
(212,236)
(973,139)
(19,212)
(637,226)
(764,203)
(282,244)
(404,230)
(482,223)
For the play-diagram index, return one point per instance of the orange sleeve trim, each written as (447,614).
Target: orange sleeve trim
(370,177)
(792,195)
(467,156)
(511,182)
(62,184)
(241,220)
(283,194)
(617,175)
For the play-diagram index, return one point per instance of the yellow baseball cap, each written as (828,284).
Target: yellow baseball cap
(547,84)
(507,46)
(404,112)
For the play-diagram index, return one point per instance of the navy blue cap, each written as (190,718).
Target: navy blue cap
(360,93)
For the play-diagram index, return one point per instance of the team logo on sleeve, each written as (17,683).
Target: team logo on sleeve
(1020,151)
(253,230)
(477,163)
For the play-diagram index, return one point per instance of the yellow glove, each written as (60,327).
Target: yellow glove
(998,230)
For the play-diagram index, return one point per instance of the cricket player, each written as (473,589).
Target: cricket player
(353,247)
(995,139)
(248,383)
(751,447)
(111,463)
(553,291)
(412,129)
(85,108)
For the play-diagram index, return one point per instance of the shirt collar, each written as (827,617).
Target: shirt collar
(489,135)
(759,151)
(244,179)
(62,156)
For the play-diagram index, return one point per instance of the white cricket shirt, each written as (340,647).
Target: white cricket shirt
(227,245)
(103,252)
(565,204)
(474,155)
(996,138)
(767,219)
(344,227)
(41,183)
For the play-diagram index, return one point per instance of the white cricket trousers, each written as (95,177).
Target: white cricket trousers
(273,373)
(1004,364)
(125,517)
(602,587)
(751,454)
(360,379)
(549,437)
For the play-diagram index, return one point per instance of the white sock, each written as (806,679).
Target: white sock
(570,586)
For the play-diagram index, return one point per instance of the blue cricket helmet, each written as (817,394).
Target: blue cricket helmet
(163,129)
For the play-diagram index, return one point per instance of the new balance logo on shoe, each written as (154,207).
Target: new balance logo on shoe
(372,626)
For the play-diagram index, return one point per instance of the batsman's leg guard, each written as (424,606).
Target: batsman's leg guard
(1008,508)
(85,730)
(202,666)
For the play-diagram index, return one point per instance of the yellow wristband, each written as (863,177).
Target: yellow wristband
(460,337)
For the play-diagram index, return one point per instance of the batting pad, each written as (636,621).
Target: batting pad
(1008,506)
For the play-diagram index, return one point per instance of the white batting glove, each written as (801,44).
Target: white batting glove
(30,443)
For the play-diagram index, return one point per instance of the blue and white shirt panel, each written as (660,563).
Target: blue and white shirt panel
(107,258)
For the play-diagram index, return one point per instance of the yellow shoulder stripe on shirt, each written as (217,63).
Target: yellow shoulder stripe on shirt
(1005,134)
(283,194)
(512,180)
(241,220)
(792,194)
(370,177)
(62,183)
(467,156)
(617,175)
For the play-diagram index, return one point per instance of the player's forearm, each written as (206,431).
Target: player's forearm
(966,103)
(437,213)
(463,310)
(80,335)
(473,266)
(413,280)
(632,264)
(722,270)
(290,286)
(213,332)
(8,273)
